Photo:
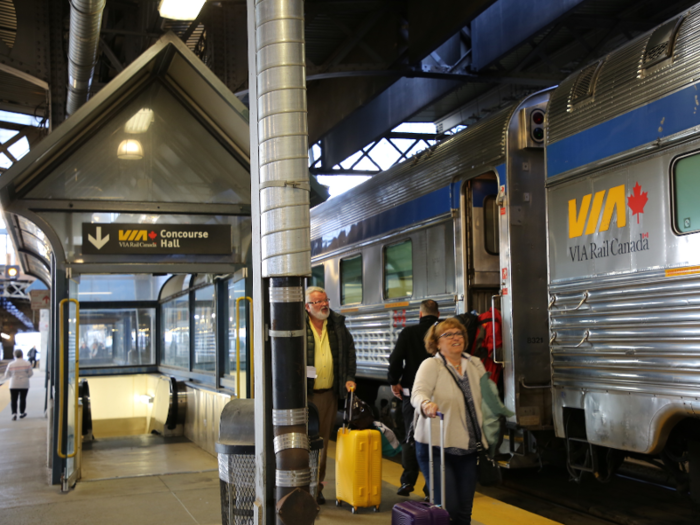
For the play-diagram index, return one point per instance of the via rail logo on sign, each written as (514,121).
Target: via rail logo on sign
(595,214)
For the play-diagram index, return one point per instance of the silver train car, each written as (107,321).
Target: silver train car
(464,224)
(587,238)
(623,213)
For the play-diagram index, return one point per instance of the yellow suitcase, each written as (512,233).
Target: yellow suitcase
(358,468)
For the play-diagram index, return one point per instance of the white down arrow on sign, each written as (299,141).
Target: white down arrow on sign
(99,241)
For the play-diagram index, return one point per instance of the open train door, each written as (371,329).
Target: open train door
(481,242)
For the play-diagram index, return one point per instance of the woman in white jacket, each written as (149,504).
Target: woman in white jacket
(19,371)
(450,383)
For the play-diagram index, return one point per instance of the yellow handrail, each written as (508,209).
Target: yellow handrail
(61,377)
(238,346)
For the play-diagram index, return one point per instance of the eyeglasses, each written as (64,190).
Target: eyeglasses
(450,335)
(316,303)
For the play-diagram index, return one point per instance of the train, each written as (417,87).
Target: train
(573,211)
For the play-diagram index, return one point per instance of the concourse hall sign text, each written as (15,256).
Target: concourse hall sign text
(152,239)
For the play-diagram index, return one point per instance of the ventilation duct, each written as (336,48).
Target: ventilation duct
(83,39)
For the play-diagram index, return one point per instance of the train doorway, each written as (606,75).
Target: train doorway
(481,242)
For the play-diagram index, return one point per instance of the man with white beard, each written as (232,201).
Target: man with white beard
(330,349)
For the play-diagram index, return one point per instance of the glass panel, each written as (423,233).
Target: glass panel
(117,337)
(69,228)
(176,332)
(139,287)
(491,232)
(687,188)
(33,238)
(205,329)
(237,332)
(398,270)
(351,280)
(154,150)
(318,276)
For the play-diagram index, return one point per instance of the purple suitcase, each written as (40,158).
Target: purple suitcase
(419,512)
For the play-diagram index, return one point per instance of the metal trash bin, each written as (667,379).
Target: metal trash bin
(236,453)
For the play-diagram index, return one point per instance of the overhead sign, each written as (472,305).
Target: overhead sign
(39,299)
(147,239)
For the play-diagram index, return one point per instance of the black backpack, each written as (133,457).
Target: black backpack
(471,323)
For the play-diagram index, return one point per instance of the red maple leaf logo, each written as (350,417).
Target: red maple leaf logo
(637,201)
(153,234)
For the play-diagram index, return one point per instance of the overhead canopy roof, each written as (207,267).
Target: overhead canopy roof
(165,138)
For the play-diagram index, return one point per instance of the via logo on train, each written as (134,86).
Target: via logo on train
(595,215)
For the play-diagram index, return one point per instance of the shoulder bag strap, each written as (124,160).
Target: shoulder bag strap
(472,419)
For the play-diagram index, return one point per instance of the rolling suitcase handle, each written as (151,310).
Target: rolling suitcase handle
(346,419)
(442,461)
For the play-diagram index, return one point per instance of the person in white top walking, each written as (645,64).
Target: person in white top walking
(19,371)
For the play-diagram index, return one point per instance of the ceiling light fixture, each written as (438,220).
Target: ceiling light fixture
(180,9)
(4,335)
(130,149)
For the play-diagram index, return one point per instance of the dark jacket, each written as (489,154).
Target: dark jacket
(410,348)
(342,350)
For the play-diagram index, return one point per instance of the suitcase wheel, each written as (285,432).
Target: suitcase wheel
(376,509)
(354,510)
(338,503)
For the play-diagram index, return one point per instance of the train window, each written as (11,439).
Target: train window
(686,185)
(491,235)
(351,280)
(398,270)
(318,276)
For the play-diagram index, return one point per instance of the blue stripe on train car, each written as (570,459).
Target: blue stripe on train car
(420,209)
(658,119)
(482,189)
(502,179)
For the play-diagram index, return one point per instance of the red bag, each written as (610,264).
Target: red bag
(484,345)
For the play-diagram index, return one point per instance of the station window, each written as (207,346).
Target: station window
(205,329)
(116,337)
(318,276)
(491,235)
(398,270)
(686,186)
(351,280)
(176,331)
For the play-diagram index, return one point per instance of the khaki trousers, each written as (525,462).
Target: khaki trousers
(327,405)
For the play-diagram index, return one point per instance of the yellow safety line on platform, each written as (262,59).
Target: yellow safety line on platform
(490,511)
(487,510)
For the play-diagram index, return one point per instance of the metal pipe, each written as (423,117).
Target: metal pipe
(83,39)
(285,238)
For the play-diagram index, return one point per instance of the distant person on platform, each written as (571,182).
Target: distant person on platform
(19,371)
(404,361)
(331,351)
(31,356)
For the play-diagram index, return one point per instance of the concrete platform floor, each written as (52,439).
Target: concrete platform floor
(132,483)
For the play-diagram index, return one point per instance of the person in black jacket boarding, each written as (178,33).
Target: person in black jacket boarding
(404,361)
(330,350)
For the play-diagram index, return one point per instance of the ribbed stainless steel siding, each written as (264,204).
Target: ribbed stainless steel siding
(644,335)
(482,144)
(376,329)
(620,89)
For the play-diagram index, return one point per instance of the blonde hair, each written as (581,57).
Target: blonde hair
(435,331)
